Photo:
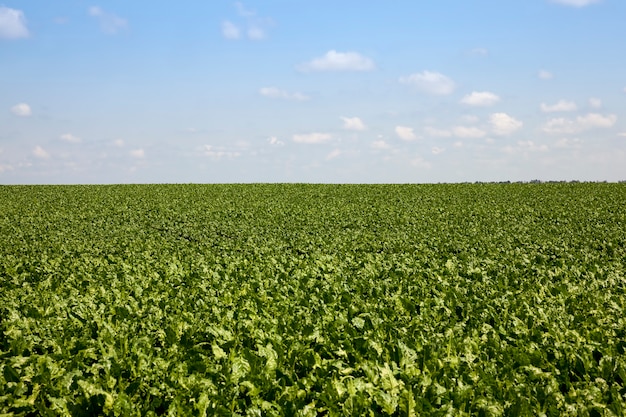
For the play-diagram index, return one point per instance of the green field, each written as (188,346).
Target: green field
(464,299)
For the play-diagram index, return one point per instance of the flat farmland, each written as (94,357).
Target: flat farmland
(301,299)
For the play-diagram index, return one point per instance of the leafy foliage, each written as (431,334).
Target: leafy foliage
(481,299)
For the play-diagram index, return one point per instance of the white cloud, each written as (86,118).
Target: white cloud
(241,9)
(353,123)
(567,143)
(479,52)
(109,22)
(5,168)
(545,75)
(430,83)
(560,126)
(480,99)
(338,61)
(68,137)
(219,153)
(405,133)
(470,118)
(576,3)
(254,27)
(437,133)
(380,144)
(256,33)
(274,141)
(312,138)
(273,92)
(458,144)
(623,134)
(333,154)
(595,103)
(420,162)
(437,150)
(12,24)
(230,30)
(118,142)
(529,145)
(22,110)
(137,153)
(592,120)
(560,106)
(503,124)
(589,121)
(40,152)
(465,132)
(525,146)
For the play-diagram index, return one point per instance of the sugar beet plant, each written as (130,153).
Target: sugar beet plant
(469,299)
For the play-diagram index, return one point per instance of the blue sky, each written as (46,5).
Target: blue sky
(312,91)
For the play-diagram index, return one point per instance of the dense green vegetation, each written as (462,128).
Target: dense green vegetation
(468,299)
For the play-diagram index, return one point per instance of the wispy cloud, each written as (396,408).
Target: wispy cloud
(254,27)
(419,162)
(576,3)
(468,132)
(462,132)
(6,168)
(109,22)
(273,92)
(219,152)
(470,118)
(380,144)
(430,82)
(567,143)
(479,52)
(312,138)
(437,133)
(12,24)
(230,30)
(480,99)
(22,110)
(256,33)
(338,61)
(243,11)
(560,106)
(353,123)
(595,103)
(333,154)
(545,75)
(525,147)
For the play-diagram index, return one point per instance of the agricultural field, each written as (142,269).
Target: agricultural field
(294,299)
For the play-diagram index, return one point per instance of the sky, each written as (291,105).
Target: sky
(340,91)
